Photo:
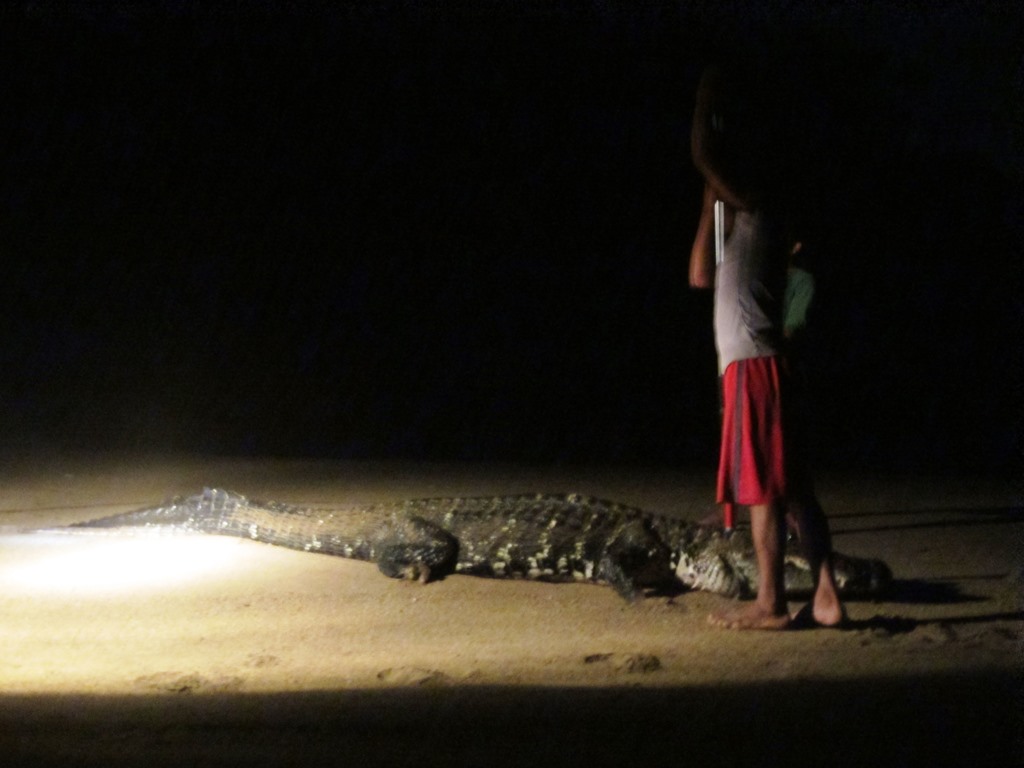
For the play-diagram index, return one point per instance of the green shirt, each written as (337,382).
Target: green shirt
(799,294)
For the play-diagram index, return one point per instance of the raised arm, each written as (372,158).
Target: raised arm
(715,143)
(702,255)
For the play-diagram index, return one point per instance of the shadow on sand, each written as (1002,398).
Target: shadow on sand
(935,720)
(899,625)
(943,518)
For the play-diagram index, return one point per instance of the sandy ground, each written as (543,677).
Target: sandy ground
(192,650)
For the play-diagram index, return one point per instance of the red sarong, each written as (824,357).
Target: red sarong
(754,465)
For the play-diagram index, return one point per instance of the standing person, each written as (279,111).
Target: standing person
(797,302)
(759,463)
(795,306)
(799,293)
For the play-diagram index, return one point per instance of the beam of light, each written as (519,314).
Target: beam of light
(92,564)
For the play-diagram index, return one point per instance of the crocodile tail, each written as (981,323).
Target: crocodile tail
(201,512)
(881,577)
(861,577)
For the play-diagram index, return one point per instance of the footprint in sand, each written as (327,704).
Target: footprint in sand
(628,663)
(411,676)
(258,660)
(177,682)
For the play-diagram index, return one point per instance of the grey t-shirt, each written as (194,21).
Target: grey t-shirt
(750,284)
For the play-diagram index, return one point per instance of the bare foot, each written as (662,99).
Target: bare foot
(826,608)
(828,612)
(751,616)
(830,616)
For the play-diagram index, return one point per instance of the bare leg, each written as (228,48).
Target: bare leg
(812,528)
(769,609)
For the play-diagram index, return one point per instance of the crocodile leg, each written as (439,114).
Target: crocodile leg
(635,558)
(415,549)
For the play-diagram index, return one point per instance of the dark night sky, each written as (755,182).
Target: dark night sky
(463,235)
